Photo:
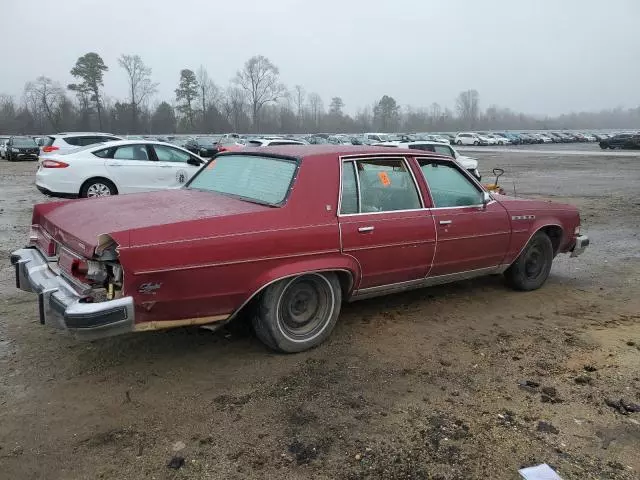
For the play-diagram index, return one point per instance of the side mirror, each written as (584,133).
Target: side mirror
(486,198)
(194,161)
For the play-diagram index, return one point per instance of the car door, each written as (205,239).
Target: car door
(470,235)
(132,168)
(383,223)
(175,166)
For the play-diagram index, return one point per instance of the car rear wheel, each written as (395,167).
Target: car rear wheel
(298,313)
(98,187)
(459,142)
(531,269)
(475,143)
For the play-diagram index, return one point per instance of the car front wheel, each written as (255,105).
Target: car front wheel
(531,269)
(98,187)
(459,142)
(298,313)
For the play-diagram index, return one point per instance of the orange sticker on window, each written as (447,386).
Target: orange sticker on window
(212,164)
(384,179)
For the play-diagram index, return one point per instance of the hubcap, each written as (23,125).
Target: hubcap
(98,190)
(534,263)
(305,307)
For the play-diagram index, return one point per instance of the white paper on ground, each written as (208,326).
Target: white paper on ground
(539,472)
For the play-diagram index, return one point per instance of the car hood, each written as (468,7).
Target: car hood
(81,224)
(467,162)
(519,204)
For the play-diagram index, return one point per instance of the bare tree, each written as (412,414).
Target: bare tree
(467,105)
(259,78)
(46,96)
(234,105)
(299,96)
(208,92)
(316,107)
(140,85)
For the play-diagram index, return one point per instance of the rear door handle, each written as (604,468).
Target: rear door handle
(445,222)
(365,229)
(114,164)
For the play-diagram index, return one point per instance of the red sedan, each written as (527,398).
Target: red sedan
(287,233)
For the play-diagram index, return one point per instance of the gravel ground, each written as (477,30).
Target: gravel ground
(464,381)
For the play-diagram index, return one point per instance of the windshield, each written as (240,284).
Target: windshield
(264,180)
(24,142)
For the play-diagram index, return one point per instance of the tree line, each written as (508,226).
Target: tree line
(255,101)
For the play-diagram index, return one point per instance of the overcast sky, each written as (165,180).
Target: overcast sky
(539,57)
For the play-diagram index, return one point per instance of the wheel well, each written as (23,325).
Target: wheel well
(344,277)
(554,233)
(97,178)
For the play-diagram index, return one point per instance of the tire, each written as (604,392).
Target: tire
(459,142)
(531,269)
(604,146)
(98,187)
(298,313)
(475,143)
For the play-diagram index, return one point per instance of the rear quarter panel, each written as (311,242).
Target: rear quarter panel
(210,267)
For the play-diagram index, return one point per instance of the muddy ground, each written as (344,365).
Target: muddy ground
(417,385)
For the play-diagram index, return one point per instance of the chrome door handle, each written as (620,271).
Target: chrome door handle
(114,164)
(164,166)
(365,229)
(445,222)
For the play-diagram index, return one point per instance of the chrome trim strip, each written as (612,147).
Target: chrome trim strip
(386,245)
(387,212)
(479,207)
(252,296)
(170,242)
(234,262)
(425,282)
(475,236)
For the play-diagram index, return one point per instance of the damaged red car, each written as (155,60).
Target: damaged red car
(285,233)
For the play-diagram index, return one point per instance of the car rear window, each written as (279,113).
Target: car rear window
(264,180)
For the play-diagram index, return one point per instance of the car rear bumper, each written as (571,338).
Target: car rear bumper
(582,242)
(50,193)
(62,307)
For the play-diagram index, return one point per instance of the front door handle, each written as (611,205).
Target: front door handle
(114,164)
(445,222)
(365,229)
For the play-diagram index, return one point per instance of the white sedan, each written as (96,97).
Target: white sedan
(125,166)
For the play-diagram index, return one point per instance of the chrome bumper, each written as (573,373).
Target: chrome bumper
(62,307)
(582,242)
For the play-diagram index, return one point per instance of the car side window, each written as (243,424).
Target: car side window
(75,141)
(449,187)
(443,150)
(168,154)
(349,201)
(131,152)
(103,153)
(385,185)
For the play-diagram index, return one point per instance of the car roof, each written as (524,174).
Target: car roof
(119,143)
(68,134)
(306,151)
(395,143)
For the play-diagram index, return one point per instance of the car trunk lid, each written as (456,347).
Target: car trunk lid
(80,225)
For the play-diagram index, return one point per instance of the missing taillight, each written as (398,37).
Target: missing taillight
(41,239)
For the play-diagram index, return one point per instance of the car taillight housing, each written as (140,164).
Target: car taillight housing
(39,238)
(50,149)
(54,164)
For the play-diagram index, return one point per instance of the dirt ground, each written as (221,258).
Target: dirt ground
(466,381)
